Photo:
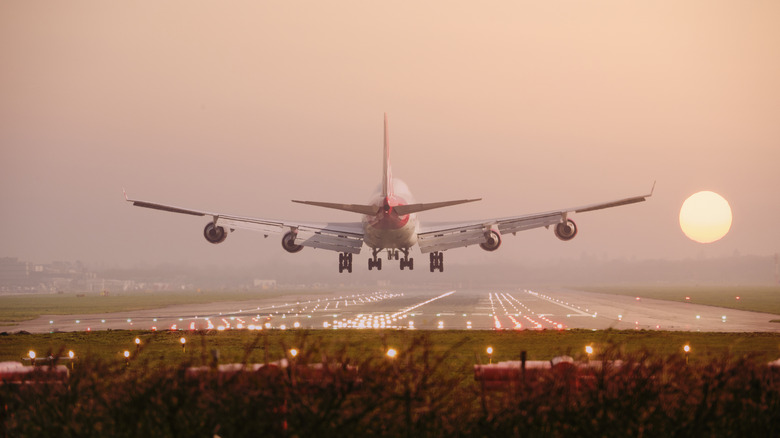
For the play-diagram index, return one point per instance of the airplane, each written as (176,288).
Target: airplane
(390,224)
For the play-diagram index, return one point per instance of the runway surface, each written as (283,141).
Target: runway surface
(500,309)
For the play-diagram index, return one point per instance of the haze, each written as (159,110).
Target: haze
(242,106)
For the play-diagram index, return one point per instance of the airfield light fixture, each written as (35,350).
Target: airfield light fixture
(71,354)
(31,355)
(127,357)
(589,350)
(293,352)
(392,353)
(490,354)
(687,350)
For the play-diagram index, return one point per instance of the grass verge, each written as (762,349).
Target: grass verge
(16,308)
(765,299)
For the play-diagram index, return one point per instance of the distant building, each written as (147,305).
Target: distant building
(265,284)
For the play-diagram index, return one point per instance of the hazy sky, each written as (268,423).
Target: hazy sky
(242,106)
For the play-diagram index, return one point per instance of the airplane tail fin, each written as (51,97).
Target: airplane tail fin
(387,191)
(387,174)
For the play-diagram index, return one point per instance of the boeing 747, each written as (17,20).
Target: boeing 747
(390,224)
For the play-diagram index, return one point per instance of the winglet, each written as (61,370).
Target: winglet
(125,192)
(652,190)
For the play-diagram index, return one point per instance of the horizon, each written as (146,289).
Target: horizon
(241,108)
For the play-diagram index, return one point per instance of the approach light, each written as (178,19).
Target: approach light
(293,352)
(589,350)
(126,354)
(71,354)
(137,341)
(391,353)
(687,348)
(490,354)
(31,355)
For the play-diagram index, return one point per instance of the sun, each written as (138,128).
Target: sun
(705,217)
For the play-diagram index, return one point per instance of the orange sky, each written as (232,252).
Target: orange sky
(241,106)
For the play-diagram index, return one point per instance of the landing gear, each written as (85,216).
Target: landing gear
(345,262)
(375,261)
(392,254)
(437,261)
(406,261)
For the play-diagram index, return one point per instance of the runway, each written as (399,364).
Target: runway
(499,309)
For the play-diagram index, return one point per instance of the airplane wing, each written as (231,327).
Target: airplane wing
(340,237)
(448,235)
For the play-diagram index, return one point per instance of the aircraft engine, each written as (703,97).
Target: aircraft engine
(493,241)
(214,234)
(288,243)
(566,230)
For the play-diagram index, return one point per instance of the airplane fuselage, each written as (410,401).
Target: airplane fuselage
(388,229)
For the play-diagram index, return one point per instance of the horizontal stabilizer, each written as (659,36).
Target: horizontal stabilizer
(369,210)
(403,210)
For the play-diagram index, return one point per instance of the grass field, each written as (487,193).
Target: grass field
(468,347)
(16,308)
(764,299)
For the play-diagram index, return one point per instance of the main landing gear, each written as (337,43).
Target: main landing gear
(437,261)
(406,261)
(345,262)
(376,262)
